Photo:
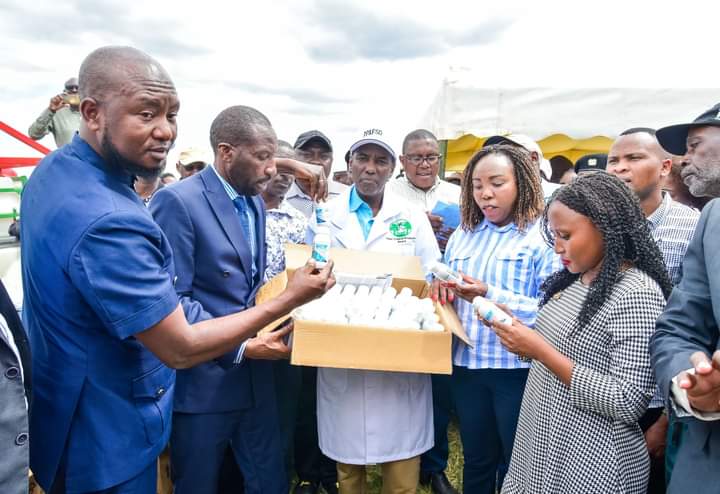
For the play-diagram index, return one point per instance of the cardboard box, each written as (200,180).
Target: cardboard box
(322,344)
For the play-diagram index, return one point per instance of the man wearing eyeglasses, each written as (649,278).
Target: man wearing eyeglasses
(190,162)
(61,117)
(421,186)
(313,147)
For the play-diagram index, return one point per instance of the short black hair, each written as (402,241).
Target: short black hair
(418,135)
(638,130)
(237,125)
(284,149)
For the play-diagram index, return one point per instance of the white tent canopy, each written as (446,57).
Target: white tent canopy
(465,105)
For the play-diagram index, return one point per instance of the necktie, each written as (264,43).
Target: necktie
(247,224)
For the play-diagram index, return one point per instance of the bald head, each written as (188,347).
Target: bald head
(116,69)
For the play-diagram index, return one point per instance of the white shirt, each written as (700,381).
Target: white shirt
(425,199)
(304,203)
(367,417)
(681,399)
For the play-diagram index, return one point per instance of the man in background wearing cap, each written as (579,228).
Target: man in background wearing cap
(313,468)
(591,163)
(371,417)
(543,166)
(685,347)
(421,187)
(641,163)
(190,162)
(313,147)
(61,117)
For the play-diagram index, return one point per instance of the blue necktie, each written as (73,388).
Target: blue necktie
(247,224)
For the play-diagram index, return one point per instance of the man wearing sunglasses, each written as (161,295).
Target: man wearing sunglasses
(61,117)
(190,162)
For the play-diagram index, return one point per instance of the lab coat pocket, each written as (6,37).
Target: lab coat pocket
(152,393)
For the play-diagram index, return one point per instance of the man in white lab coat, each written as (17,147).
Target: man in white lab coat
(370,417)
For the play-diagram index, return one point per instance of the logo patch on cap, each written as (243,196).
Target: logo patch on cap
(373,132)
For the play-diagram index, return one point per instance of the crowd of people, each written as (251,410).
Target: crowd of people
(142,326)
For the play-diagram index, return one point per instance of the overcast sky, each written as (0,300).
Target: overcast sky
(343,66)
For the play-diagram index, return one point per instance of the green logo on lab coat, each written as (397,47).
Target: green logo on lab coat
(400,228)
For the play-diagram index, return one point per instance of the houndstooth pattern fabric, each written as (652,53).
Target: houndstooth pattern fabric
(586,439)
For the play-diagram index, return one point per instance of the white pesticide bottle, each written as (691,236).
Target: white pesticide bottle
(443,272)
(322,241)
(490,312)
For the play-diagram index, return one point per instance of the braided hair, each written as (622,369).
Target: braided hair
(615,211)
(529,203)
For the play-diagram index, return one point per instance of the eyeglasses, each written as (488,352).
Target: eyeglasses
(71,89)
(416,160)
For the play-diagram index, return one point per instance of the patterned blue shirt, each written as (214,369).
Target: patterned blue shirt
(672,225)
(362,210)
(283,225)
(513,264)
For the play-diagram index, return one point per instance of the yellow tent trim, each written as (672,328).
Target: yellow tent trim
(460,150)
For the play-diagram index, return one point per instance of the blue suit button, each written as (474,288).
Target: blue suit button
(160,392)
(12,372)
(226,274)
(21,438)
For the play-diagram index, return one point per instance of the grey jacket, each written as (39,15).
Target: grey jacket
(690,324)
(14,387)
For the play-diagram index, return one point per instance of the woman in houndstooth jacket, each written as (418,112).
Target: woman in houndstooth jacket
(591,379)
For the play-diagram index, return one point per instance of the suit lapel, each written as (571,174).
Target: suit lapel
(259,206)
(226,215)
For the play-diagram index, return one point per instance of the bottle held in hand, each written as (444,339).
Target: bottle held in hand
(444,273)
(321,242)
(490,312)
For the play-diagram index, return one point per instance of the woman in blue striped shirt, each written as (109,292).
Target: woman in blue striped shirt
(500,252)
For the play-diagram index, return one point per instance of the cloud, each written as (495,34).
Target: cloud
(304,96)
(104,20)
(347,32)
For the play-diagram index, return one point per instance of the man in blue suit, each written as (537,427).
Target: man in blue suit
(102,314)
(686,346)
(215,222)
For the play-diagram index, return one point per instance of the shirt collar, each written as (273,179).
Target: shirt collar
(295,191)
(657,216)
(356,202)
(232,193)
(413,186)
(485,224)
(86,153)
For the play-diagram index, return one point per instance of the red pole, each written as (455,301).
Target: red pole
(23,138)
(17,162)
